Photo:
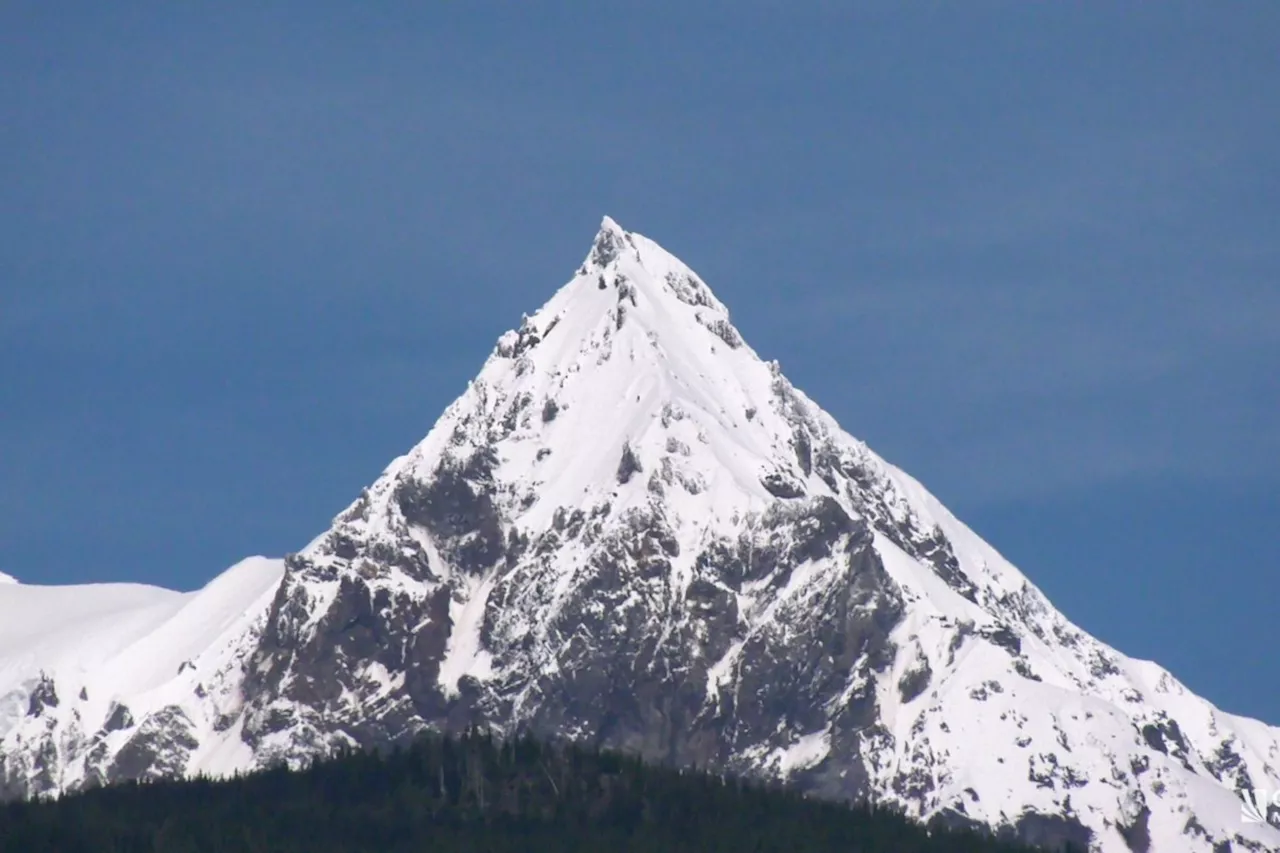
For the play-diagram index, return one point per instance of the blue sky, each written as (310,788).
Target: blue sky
(1029,252)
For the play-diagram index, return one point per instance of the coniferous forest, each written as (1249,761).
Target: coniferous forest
(474,793)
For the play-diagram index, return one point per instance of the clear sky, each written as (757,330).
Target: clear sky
(1030,252)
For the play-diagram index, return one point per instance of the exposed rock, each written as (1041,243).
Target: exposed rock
(159,748)
(1137,835)
(44,696)
(118,718)
(1053,832)
(629,465)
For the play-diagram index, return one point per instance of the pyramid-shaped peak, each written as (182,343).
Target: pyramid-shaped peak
(627,287)
(633,357)
(635,265)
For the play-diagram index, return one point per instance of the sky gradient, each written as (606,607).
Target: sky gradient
(1028,252)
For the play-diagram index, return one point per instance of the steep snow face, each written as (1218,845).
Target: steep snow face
(631,530)
(121,681)
(7,578)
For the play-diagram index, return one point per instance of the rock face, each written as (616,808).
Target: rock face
(630,530)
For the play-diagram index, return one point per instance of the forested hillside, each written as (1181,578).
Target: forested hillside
(476,793)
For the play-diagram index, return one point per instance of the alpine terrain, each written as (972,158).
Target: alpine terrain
(631,531)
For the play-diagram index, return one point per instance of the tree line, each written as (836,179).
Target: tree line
(474,793)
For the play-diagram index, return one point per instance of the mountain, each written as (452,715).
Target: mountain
(631,531)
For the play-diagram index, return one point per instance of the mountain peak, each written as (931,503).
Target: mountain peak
(645,263)
(628,501)
(632,357)
(631,530)
(608,223)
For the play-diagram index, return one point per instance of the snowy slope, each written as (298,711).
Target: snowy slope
(91,673)
(632,530)
(7,578)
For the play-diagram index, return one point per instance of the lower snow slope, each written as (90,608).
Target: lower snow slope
(90,672)
(1074,727)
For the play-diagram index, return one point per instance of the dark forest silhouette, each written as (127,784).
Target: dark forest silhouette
(474,793)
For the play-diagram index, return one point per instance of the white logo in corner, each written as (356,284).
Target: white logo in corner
(1255,806)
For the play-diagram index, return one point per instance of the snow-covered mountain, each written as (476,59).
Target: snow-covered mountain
(633,531)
